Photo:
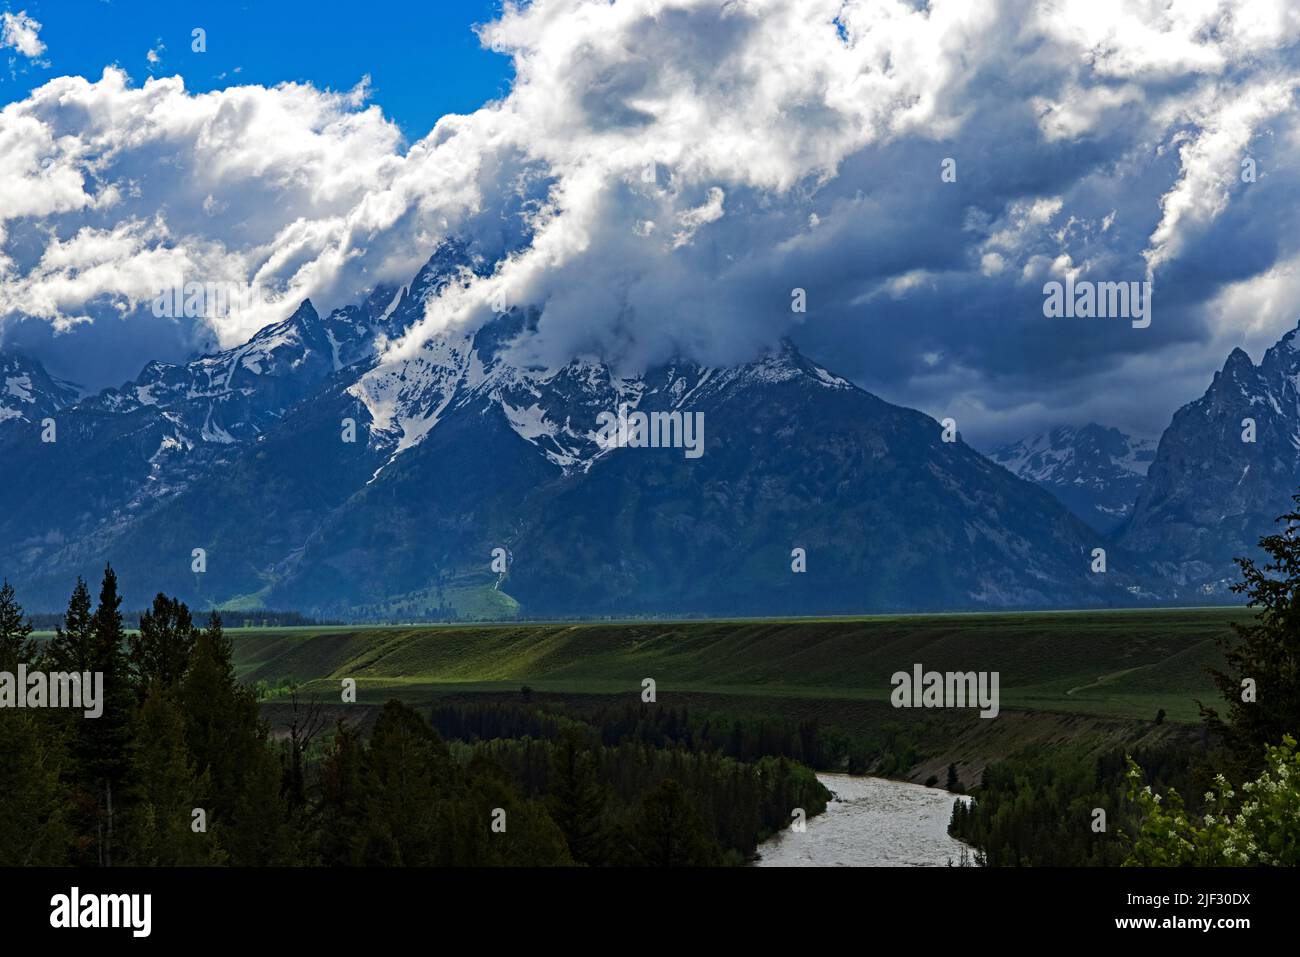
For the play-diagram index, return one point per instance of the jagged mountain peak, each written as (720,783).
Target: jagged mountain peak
(1224,466)
(555,409)
(28,393)
(1095,470)
(1239,367)
(1238,357)
(1282,359)
(451,261)
(460,447)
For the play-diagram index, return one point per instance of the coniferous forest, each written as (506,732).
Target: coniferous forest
(1233,799)
(181,769)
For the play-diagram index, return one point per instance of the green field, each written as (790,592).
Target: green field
(1121,664)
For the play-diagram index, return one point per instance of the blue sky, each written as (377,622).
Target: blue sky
(423,58)
(657,176)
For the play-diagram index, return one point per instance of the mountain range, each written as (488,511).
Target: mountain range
(311,472)
(1226,468)
(1096,471)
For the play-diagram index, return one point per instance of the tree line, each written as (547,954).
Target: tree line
(180,768)
(261,618)
(740,779)
(1232,800)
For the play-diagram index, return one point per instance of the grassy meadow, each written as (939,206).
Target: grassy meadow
(1119,664)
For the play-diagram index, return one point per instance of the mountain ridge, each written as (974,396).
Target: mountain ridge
(1226,467)
(1096,471)
(316,473)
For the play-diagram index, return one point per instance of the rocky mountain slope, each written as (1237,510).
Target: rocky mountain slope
(1095,471)
(313,475)
(1225,469)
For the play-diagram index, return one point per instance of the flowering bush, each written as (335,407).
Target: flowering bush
(1265,830)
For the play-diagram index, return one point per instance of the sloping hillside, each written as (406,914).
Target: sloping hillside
(1125,664)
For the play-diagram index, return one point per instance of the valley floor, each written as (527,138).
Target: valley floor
(1092,681)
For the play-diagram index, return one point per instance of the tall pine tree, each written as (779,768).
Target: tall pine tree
(165,792)
(1262,682)
(104,743)
(33,805)
(73,646)
(16,643)
(228,740)
(160,651)
(577,801)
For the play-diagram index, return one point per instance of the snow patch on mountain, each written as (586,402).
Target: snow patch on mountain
(1094,470)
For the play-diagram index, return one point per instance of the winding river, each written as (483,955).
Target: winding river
(871,822)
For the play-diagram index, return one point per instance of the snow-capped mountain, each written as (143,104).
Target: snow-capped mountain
(235,394)
(28,394)
(1094,470)
(1225,469)
(317,475)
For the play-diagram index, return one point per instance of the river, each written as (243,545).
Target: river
(871,822)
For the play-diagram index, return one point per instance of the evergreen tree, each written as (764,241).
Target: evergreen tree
(160,651)
(166,791)
(73,646)
(667,831)
(16,643)
(406,767)
(1267,652)
(33,806)
(577,801)
(228,741)
(217,721)
(258,833)
(103,743)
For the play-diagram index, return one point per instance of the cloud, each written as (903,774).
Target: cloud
(20,32)
(662,174)
(108,191)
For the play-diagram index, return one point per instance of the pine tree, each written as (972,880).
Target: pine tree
(33,807)
(577,801)
(16,643)
(103,744)
(160,651)
(165,792)
(228,740)
(213,718)
(667,831)
(407,775)
(257,834)
(73,646)
(1267,652)
(73,649)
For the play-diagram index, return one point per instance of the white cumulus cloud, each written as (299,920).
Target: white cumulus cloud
(663,172)
(20,32)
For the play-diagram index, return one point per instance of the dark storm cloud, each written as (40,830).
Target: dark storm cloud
(661,177)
